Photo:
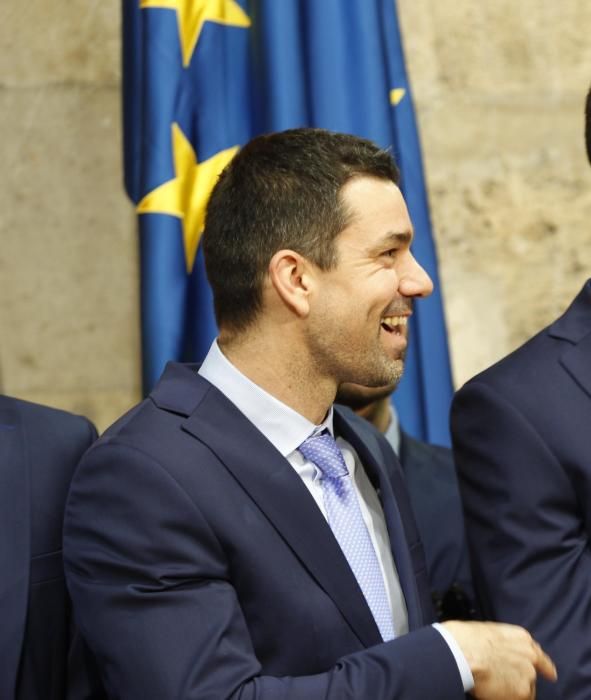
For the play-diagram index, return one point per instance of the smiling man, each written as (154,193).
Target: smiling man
(232,537)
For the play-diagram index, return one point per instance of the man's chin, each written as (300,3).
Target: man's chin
(357,396)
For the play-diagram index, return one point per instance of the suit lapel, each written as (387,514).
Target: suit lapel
(391,492)
(574,326)
(280,494)
(14,543)
(575,322)
(577,362)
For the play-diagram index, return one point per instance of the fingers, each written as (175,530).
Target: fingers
(543,663)
(504,659)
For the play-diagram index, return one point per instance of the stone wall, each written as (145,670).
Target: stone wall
(499,89)
(68,258)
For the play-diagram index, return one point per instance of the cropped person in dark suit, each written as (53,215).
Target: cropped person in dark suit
(41,655)
(431,480)
(522,441)
(232,537)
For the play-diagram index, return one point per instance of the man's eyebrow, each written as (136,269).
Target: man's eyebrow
(397,238)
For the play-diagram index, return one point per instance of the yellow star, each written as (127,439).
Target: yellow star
(396,95)
(186,195)
(192,14)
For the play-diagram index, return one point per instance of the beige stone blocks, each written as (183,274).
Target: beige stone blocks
(499,90)
(69,324)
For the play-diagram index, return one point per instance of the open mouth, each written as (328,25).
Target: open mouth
(395,324)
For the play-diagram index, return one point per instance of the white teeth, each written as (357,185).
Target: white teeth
(393,321)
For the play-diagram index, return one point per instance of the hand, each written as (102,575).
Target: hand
(504,659)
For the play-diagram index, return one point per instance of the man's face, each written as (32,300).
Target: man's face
(357,329)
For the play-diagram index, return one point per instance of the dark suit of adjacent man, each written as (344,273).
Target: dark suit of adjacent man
(522,436)
(200,566)
(432,485)
(41,656)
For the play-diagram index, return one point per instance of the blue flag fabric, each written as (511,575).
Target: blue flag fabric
(200,78)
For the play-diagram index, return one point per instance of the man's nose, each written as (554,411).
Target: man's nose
(414,280)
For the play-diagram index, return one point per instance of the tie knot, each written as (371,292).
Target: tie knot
(323,450)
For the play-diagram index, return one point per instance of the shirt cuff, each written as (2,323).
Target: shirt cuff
(454,647)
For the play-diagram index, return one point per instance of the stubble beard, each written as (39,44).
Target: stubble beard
(351,358)
(392,374)
(369,367)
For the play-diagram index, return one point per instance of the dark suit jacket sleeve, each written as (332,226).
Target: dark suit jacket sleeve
(53,660)
(82,678)
(82,674)
(531,559)
(153,596)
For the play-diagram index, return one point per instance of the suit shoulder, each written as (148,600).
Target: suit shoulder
(42,421)
(539,355)
(146,429)
(140,423)
(46,445)
(527,364)
(416,451)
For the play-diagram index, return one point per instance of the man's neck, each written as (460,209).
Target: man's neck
(282,371)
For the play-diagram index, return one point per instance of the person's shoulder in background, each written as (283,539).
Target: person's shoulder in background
(432,483)
(43,655)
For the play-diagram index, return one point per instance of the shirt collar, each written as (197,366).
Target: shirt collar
(392,434)
(285,428)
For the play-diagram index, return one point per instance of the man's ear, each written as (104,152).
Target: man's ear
(289,274)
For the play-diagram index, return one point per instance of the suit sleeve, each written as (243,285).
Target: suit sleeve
(531,559)
(83,681)
(153,597)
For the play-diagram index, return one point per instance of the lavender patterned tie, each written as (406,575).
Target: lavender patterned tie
(348,526)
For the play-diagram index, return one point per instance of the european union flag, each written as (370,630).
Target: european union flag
(186,93)
(201,77)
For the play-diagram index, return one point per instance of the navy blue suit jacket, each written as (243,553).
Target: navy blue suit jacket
(200,566)
(522,439)
(432,483)
(41,655)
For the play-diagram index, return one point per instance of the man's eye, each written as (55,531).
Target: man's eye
(391,253)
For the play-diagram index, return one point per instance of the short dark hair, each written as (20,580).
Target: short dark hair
(281,190)
(588,125)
